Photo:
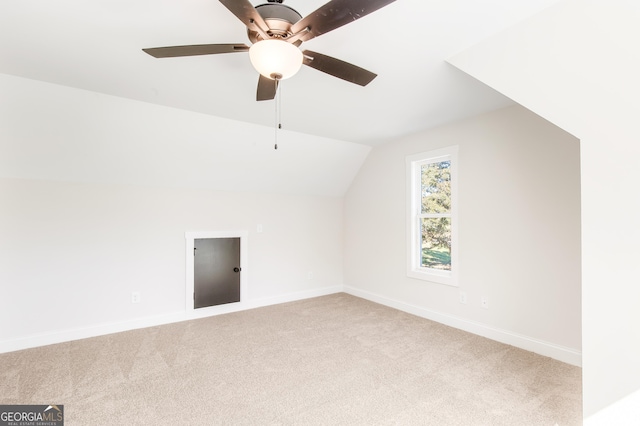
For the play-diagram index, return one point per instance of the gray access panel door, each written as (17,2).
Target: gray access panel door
(216,271)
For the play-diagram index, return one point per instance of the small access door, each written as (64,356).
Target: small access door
(216,272)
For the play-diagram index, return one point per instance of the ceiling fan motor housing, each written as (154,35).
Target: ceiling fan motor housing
(279,18)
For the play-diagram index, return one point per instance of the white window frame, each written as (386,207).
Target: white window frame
(414,202)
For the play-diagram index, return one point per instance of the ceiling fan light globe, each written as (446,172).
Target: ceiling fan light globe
(275,59)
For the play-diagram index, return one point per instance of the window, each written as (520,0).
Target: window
(431,216)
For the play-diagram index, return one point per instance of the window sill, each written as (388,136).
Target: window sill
(434,276)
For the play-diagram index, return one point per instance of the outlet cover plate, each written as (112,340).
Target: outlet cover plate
(484,302)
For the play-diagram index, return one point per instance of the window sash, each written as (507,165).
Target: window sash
(414,222)
(432,215)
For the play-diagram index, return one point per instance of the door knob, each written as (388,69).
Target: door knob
(236,269)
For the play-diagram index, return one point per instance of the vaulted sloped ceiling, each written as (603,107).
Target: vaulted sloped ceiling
(96,45)
(81,102)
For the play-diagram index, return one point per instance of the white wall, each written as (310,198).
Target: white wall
(577,65)
(95,202)
(73,253)
(519,222)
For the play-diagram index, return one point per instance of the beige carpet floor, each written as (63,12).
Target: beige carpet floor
(332,360)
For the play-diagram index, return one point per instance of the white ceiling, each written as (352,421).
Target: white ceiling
(96,45)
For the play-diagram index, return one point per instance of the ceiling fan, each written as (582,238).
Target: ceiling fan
(276,31)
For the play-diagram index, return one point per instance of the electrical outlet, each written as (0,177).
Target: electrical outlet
(484,302)
(310,275)
(259,228)
(135,297)
(463,297)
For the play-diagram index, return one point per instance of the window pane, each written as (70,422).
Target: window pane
(435,250)
(435,190)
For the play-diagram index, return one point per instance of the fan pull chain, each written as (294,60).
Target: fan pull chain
(278,111)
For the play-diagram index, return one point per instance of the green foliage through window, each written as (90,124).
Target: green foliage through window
(436,187)
(435,215)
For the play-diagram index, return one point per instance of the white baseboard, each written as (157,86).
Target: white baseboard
(68,335)
(561,353)
(292,297)
(61,336)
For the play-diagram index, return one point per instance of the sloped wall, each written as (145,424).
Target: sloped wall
(52,132)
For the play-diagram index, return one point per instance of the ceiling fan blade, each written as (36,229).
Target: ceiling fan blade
(335,14)
(266,89)
(194,50)
(338,68)
(248,14)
